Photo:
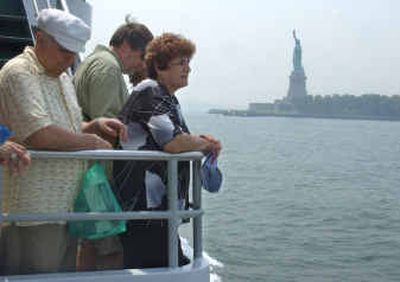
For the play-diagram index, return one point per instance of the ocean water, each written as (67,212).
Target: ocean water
(304,199)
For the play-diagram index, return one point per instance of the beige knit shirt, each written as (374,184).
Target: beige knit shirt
(31,100)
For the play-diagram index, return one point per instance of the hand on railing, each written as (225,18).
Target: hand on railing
(107,128)
(112,127)
(15,157)
(92,141)
(214,145)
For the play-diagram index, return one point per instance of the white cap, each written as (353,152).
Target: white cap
(68,30)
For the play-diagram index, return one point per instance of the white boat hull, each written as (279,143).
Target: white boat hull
(197,271)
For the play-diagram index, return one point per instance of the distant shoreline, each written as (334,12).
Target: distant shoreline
(245,113)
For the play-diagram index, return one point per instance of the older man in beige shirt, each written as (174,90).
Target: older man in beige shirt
(38,103)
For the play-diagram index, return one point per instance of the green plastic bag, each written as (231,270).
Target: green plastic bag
(96,196)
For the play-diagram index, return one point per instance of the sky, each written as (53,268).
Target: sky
(244,48)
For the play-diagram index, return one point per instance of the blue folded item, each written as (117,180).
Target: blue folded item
(5,133)
(211,176)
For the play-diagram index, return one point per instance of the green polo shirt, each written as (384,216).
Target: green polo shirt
(100,85)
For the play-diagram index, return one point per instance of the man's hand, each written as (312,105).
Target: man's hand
(107,128)
(112,127)
(92,142)
(15,156)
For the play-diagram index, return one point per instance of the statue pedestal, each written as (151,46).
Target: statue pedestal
(297,85)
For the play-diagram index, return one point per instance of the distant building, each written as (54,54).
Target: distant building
(261,108)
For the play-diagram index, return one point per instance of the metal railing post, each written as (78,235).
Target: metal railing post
(36,7)
(1,196)
(31,11)
(197,221)
(173,207)
(64,6)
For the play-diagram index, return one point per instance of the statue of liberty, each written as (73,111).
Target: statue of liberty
(297,85)
(297,53)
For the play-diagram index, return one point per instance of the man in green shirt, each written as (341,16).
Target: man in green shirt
(102,92)
(99,81)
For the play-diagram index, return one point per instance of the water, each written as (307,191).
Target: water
(304,199)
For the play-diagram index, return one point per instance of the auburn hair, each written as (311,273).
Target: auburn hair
(163,49)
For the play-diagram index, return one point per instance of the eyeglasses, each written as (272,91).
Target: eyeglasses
(184,61)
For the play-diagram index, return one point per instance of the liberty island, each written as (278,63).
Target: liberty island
(298,103)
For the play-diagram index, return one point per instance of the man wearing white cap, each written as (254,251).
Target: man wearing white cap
(38,103)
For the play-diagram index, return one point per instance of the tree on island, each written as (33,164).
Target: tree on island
(367,105)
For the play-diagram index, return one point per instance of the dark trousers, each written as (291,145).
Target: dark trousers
(145,245)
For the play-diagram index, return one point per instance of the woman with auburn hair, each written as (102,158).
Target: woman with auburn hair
(155,122)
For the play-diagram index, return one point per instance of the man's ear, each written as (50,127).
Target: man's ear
(157,67)
(38,34)
(40,37)
(124,46)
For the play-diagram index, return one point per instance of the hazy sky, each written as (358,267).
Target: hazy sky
(244,48)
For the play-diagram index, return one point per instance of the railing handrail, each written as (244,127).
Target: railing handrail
(172,214)
(116,155)
(74,216)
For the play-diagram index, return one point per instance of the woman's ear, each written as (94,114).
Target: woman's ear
(159,70)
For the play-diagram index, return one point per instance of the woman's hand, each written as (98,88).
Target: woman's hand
(214,145)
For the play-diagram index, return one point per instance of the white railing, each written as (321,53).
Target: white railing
(173,215)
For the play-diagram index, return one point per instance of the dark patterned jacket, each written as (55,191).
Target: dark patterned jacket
(153,118)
